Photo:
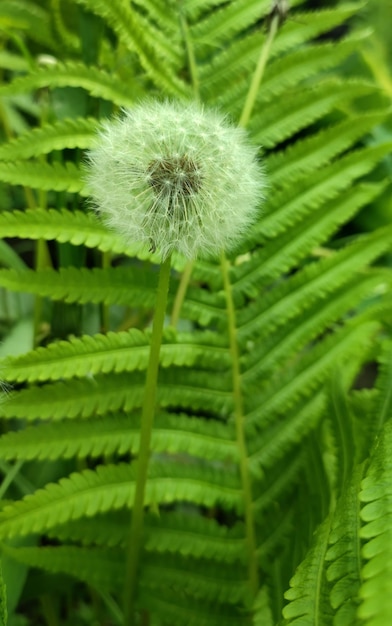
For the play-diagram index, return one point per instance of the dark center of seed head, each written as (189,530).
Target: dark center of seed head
(175,176)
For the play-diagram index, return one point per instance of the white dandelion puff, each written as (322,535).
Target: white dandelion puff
(175,176)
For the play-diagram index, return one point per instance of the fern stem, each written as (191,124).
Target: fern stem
(259,72)
(105,316)
(240,434)
(181,292)
(192,65)
(150,391)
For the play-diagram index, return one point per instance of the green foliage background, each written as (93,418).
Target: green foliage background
(270,486)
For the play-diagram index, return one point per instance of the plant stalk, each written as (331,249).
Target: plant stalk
(239,418)
(142,463)
(259,72)
(181,293)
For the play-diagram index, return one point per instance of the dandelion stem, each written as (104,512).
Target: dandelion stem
(148,412)
(259,72)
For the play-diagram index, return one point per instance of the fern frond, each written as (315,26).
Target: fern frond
(28,17)
(111,487)
(376,497)
(239,57)
(302,107)
(342,423)
(183,610)
(74,227)
(308,593)
(281,480)
(201,580)
(56,177)
(293,203)
(170,532)
(120,434)
(286,72)
(317,280)
(120,285)
(131,30)
(382,411)
(283,253)
(100,567)
(68,133)
(278,438)
(196,536)
(227,21)
(113,352)
(310,372)
(262,609)
(306,26)
(344,554)
(112,285)
(97,82)
(313,153)
(266,356)
(193,390)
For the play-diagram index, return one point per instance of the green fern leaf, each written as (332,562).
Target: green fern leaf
(196,536)
(3,601)
(281,481)
(193,390)
(112,286)
(240,56)
(201,580)
(302,107)
(119,434)
(113,352)
(56,177)
(376,498)
(228,20)
(308,593)
(278,438)
(262,609)
(307,26)
(170,532)
(314,152)
(344,554)
(287,72)
(315,281)
(382,411)
(101,568)
(310,372)
(97,82)
(112,487)
(120,285)
(290,205)
(28,17)
(131,30)
(74,227)
(69,133)
(185,611)
(266,356)
(283,253)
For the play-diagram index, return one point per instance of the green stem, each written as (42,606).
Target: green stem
(192,65)
(259,72)
(240,433)
(105,311)
(181,292)
(150,392)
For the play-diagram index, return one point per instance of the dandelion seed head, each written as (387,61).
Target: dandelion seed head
(175,176)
